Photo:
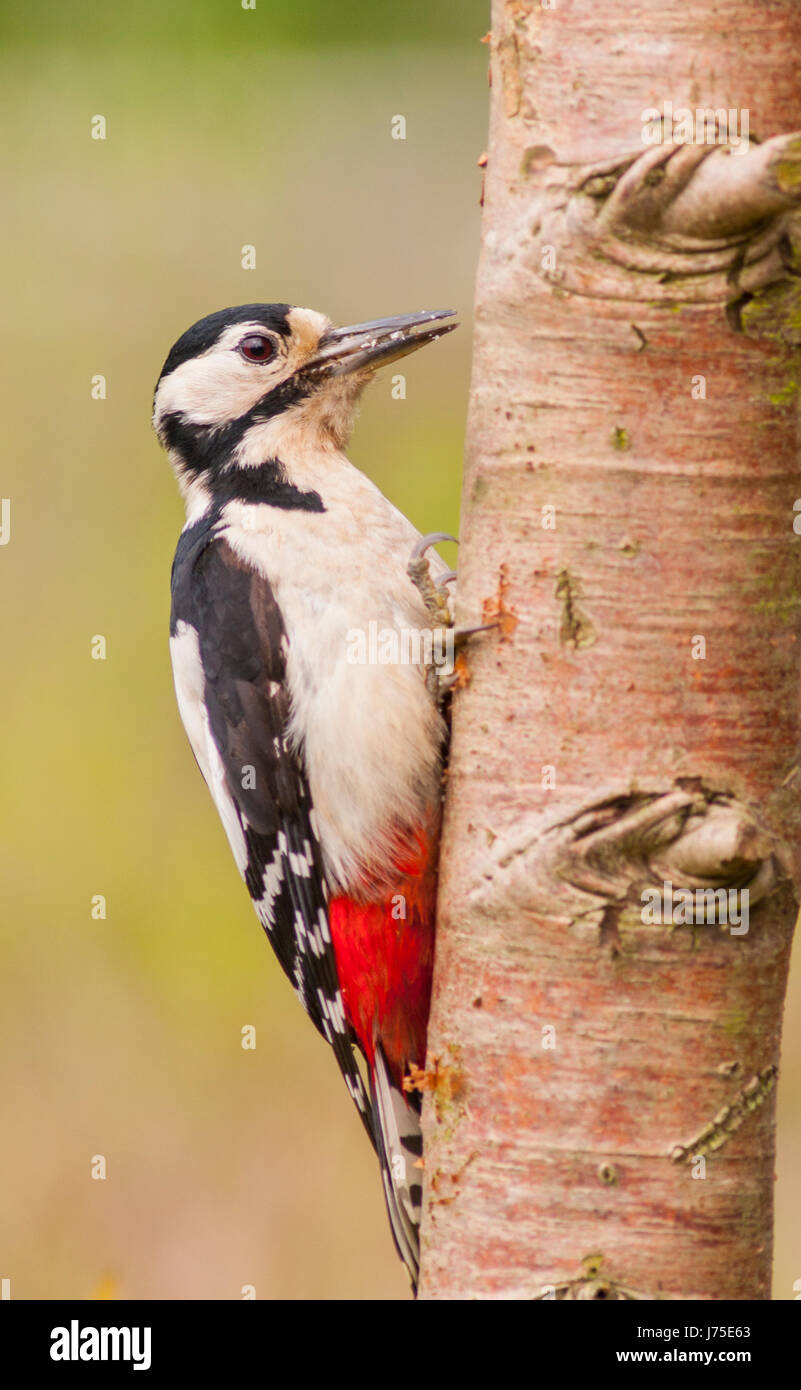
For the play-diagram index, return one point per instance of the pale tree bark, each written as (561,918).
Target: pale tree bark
(599,1108)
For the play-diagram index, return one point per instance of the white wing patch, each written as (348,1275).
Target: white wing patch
(187,671)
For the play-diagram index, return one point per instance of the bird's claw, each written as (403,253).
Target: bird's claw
(461,634)
(425,543)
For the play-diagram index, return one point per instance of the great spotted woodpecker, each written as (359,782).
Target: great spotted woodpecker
(326,770)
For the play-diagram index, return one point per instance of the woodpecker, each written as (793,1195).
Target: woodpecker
(326,771)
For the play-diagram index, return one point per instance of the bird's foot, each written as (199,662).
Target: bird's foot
(432,590)
(442,676)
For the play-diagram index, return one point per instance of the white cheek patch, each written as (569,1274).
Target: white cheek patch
(218,387)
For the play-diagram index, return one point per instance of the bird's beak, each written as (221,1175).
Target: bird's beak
(367,346)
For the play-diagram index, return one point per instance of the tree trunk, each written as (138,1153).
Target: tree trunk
(599,1108)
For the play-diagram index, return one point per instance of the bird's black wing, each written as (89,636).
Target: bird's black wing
(229,651)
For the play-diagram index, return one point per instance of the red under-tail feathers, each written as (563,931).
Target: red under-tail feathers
(385,954)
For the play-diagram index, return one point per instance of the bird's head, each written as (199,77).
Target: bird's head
(269,382)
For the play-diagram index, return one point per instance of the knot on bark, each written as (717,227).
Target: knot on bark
(702,223)
(691,839)
(695,839)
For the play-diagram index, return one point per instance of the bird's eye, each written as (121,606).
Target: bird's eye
(256,348)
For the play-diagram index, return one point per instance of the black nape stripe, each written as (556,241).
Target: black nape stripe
(207,448)
(264,482)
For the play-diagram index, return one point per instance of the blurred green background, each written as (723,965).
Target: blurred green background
(121,1036)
